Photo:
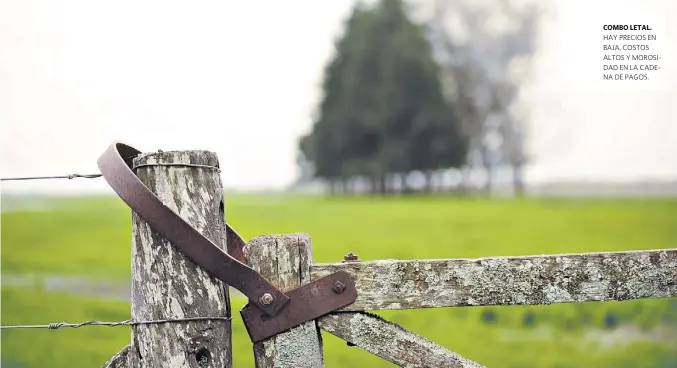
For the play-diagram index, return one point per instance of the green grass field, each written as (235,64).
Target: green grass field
(90,237)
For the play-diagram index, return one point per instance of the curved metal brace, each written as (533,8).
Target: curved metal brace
(116,166)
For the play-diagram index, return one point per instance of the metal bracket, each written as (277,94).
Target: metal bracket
(306,303)
(285,310)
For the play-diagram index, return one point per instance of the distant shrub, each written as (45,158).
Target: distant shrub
(610,320)
(529,319)
(489,316)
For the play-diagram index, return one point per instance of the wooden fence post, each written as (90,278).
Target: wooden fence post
(165,284)
(285,260)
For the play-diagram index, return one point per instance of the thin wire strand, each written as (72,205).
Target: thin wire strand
(57,325)
(69,176)
(98,175)
(180,164)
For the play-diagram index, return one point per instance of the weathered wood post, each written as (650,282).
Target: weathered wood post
(285,260)
(165,284)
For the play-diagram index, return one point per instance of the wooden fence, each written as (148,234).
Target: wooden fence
(165,285)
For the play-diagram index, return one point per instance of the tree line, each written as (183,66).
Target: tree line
(394,104)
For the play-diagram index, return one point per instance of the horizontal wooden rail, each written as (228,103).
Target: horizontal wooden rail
(395,284)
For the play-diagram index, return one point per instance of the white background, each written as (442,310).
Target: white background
(242,79)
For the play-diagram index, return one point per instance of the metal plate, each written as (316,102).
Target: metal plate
(116,166)
(306,303)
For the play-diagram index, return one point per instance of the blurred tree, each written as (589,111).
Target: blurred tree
(485,49)
(421,130)
(329,145)
(383,111)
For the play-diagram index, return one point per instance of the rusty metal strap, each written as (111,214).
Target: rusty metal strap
(116,166)
(235,244)
(310,301)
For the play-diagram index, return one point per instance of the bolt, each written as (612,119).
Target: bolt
(350,257)
(266,299)
(338,287)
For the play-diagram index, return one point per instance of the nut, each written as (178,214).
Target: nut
(350,257)
(338,287)
(266,299)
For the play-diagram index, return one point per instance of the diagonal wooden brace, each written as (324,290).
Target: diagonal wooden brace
(402,347)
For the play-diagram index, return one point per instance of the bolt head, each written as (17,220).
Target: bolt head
(338,287)
(266,299)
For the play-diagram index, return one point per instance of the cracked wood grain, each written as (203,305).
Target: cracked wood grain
(391,342)
(564,278)
(285,261)
(166,284)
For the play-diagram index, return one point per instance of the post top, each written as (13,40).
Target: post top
(192,157)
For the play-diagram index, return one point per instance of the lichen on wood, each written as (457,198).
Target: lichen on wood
(391,342)
(394,284)
(166,284)
(125,358)
(285,261)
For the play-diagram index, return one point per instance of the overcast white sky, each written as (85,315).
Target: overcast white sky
(241,78)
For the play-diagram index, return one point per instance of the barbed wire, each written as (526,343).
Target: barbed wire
(57,325)
(98,175)
(69,176)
